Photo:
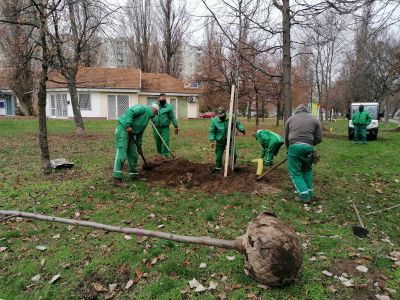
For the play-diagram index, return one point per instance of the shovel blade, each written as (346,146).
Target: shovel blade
(360,232)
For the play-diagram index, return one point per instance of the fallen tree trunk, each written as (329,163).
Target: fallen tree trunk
(272,249)
(138,231)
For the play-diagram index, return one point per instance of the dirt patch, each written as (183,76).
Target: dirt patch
(185,175)
(96,284)
(372,276)
(333,135)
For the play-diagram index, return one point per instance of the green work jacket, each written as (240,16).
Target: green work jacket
(266,137)
(219,129)
(165,116)
(361,118)
(137,117)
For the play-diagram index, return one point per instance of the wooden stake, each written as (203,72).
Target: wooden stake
(227,151)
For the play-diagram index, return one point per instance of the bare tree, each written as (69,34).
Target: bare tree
(172,24)
(17,46)
(141,31)
(37,14)
(74,34)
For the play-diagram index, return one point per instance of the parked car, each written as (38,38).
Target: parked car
(209,114)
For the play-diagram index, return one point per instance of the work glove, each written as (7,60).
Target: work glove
(176,130)
(129,130)
(212,144)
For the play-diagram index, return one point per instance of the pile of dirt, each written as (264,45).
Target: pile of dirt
(185,175)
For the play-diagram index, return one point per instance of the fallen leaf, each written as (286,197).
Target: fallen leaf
(154,261)
(221,296)
(379,191)
(128,284)
(138,275)
(382,297)
(127,237)
(42,262)
(362,269)
(109,296)
(98,287)
(313,258)
(194,283)
(152,216)
(70,227)
(112,287)
(200,289)
(36,278)
(54,278)
(57,236)
(231,258)
(327,273)
(2,249)
(202,266)
(263,286)
(41,248)
(213,285)
(77,214)
(161,226)
(224,278)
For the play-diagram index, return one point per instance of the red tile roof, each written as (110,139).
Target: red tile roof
(104,78)
(164,83)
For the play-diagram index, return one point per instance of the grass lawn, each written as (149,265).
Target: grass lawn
(89,260)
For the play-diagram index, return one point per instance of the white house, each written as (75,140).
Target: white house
(108,92)
(7,107)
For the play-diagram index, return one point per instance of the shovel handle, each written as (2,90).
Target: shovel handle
(270,170)
(162,140)
(140,153)
(358,215)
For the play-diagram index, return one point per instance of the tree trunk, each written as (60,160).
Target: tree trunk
(43,143)
(263,109)
(386,109)
(286,61)
(80,128)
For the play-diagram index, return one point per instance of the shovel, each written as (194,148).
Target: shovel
(270,170)
(359,231)
(162,140)
(146,166)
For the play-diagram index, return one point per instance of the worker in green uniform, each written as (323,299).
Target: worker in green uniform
(302,133)
(270,143)
(218,136)
(162,121)
(361,119)
(129,134)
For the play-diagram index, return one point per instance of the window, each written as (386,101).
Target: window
(53,106)
(151,100)
(84,102)
(117,105)
(1,104)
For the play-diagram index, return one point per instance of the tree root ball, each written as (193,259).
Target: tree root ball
(273,251)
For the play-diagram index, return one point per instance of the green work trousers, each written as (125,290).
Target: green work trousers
(125,148)
(164,132)
(219,152)
(267,154)
(300,169)
(360,129)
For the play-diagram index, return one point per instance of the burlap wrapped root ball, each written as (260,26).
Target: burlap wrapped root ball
(273,251)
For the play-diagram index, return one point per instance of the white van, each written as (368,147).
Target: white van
(372,128)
